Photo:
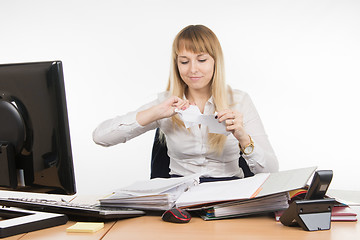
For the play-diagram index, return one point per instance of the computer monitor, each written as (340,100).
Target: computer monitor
(35,153)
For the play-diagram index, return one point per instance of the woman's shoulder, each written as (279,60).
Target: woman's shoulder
(163,95)
(237,95)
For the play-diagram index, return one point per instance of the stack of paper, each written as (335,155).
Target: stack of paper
(263,192)
(154,194)
(239,208)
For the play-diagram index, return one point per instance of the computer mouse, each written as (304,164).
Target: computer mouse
(176,215)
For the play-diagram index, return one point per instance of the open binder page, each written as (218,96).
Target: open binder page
(286,180)
(222,191)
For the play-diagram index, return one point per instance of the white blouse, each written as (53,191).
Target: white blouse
(189,150)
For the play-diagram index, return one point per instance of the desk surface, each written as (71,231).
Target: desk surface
(152,227)
(251,227)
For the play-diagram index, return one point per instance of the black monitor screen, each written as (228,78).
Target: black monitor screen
(35,152)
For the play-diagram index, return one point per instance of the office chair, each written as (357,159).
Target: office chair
(160,160)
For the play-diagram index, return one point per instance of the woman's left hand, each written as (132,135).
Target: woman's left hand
(234,123)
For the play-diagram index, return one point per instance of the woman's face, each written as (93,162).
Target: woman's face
(196,69)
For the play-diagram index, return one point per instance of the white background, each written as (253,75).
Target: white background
(298,60)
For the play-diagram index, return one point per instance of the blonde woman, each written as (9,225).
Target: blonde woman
(197,78)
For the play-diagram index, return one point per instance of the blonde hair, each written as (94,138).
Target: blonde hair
(200,39)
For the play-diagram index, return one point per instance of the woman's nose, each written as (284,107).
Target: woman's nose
(194,67)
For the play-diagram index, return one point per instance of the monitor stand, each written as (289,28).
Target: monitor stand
(16,221)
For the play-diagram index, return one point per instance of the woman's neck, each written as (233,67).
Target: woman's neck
(199,98)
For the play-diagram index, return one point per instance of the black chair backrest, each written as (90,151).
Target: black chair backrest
(160,160)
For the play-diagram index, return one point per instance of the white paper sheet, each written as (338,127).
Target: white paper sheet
(192,116)
(220,191)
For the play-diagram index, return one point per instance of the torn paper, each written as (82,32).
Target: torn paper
(192,116)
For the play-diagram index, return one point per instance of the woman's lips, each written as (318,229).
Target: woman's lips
(194,78)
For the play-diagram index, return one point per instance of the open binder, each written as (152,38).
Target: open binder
(260,185)
(232,209)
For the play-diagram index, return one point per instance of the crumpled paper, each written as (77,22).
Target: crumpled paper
(192,116)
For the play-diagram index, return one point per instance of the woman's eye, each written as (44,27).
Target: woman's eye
(184,62)
(202,60)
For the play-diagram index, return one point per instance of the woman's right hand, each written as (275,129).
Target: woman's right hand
(165,109)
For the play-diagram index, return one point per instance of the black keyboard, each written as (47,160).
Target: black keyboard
(73,210)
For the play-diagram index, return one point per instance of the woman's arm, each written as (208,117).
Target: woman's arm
(123,128)
(263,158)
(243,121)
(165,109)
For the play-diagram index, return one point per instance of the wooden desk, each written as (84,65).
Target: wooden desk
(245,228)
(152,227)
(251,227)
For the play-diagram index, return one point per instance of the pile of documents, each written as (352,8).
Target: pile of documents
(264,192)
(239,208)
(154,194)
